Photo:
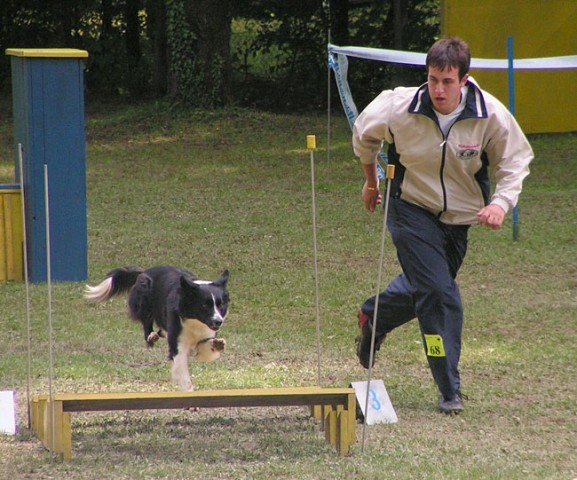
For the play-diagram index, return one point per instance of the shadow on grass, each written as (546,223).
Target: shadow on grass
(217,436)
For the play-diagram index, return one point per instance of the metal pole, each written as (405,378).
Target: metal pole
(49,285)
(26,282)
(311,145)
(327,7)
(390,173)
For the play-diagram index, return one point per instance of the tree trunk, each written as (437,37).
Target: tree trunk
(106,13)
(134,77)
(340,22)
(400,17)
(210,22)
(400,13)
(156,10)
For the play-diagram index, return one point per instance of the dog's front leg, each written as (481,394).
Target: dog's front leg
(178,352)
(180,373)
(210,350)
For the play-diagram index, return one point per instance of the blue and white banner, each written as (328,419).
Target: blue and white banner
(340,66)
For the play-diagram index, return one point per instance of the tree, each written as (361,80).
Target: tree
(157,32)
(135,80)
(211,25)
(339,21)
(199,51)
(182,48)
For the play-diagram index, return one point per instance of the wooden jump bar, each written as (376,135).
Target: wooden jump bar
(336,407)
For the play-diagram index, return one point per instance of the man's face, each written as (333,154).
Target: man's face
(445,88)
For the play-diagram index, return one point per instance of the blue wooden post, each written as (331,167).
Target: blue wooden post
(48,101)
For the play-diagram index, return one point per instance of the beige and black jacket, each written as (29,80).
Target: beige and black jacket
(447,175)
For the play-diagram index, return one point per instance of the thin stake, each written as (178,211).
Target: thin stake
(26,282)
(328,121)
(49,284)
(390,173)
(311,145)
(327,6)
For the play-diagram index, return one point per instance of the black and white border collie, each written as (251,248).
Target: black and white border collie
(186,310)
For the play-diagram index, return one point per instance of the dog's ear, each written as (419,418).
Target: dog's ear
(187,285)
(222,280)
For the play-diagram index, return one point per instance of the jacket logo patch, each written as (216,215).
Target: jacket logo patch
(467,153)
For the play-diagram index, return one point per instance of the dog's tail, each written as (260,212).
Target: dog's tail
(117,281)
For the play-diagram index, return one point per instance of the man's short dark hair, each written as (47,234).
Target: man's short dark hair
(450,52)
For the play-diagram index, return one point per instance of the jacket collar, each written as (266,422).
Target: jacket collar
(474,107)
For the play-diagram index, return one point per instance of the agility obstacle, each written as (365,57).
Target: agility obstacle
(49,415)
(335,407)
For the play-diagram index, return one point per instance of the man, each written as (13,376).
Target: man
(445,138)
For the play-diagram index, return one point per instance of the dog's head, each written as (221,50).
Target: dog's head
(206,301)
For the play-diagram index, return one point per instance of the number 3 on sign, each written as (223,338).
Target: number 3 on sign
(435,347)
(375,404)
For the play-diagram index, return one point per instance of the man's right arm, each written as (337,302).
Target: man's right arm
(370,193)
(369,131)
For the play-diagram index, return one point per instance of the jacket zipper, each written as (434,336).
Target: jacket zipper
(441,174)
(443,158)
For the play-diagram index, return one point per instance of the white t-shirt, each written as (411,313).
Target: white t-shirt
(446,121)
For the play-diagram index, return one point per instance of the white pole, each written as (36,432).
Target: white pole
(26,281)
(311,145)
(49,284)
(390,173)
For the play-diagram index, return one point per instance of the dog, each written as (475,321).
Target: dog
(186,310)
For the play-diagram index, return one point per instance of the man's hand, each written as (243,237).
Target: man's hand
(371,196)
(491,216)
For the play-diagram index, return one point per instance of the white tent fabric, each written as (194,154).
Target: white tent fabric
(412,58)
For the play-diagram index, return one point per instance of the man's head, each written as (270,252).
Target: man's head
(447,64)
(450,52)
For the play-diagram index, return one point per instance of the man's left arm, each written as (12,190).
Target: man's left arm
(509,155)
(491,216)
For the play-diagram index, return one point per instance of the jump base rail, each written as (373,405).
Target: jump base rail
(335,407)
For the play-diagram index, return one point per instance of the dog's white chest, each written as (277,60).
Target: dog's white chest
(193,331)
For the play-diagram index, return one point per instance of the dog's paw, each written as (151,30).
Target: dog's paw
(218,344)
(153,338)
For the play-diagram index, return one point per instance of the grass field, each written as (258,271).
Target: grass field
(231,189)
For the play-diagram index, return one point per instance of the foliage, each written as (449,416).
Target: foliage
(76,24)
(291,38)
(278,49)
(107,73)
(373,27)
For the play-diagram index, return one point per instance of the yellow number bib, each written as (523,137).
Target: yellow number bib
(435,347)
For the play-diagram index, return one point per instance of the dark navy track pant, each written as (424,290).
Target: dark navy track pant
(430,254)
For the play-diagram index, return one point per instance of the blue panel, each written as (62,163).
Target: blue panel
(49,122)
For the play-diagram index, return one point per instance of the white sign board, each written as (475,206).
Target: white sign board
(7,413)
(380,408)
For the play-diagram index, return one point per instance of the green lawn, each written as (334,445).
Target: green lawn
(232,189)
